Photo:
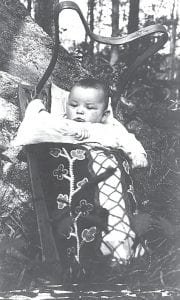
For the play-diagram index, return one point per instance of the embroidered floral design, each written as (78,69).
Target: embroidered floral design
(60,205)
(71,251)
(78,154)
(55,152)
(131,190)
(62,201)
(88,235)
(126,166)
(60,172)
(82,182)
(84,208)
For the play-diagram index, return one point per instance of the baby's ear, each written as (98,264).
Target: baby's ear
(105,116)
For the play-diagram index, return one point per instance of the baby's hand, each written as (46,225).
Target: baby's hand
(82,134)
(139,161)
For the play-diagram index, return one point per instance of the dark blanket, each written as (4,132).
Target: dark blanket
(90,198)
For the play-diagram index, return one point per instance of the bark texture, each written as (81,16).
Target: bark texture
(25,49)
(44,14)
(133,24)
(91,9)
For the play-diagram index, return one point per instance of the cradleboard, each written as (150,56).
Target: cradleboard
(74,203)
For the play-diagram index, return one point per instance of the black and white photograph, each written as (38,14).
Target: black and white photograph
(90,149)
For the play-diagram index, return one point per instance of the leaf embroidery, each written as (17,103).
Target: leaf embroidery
(131,189)
(55,152)
(82,182)
(126,166)
(88,235)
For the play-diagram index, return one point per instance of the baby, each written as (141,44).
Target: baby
(86,117)
(88,102)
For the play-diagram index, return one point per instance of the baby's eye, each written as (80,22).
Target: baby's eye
(73,104)
(90,107)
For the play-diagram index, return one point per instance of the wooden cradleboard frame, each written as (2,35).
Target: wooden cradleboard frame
(50,254)
(49,250)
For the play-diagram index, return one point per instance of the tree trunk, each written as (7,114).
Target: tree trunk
(44,14)
(174,20)
(25,49)
(133,22)
(174,73)
(91,7)
(29,5)
(115,31)
(99,21)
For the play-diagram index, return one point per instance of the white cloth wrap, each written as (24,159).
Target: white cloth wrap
(40,126)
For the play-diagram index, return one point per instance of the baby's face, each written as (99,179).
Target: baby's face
(85,105)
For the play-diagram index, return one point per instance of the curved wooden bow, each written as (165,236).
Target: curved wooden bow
(149,30)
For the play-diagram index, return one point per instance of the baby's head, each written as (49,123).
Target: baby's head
(88,101)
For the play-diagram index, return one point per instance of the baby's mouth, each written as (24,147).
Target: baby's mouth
(79,120)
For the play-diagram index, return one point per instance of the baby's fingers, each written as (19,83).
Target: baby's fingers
(86,134)
(139,162)
(83,134)
(144,162)
(78,136)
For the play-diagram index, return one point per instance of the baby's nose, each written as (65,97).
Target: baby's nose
(80,110)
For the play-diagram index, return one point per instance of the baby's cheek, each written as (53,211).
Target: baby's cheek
(69,114)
